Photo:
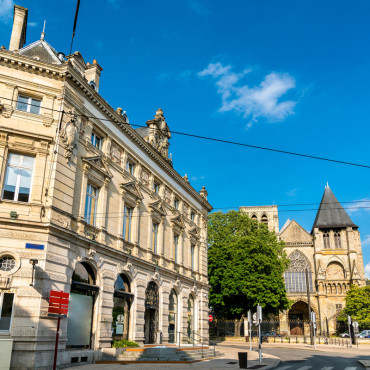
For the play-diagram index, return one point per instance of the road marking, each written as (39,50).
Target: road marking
(305,368)
(284,367)
(350,368)
(327,368)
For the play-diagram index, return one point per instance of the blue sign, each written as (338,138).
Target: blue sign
(34,246)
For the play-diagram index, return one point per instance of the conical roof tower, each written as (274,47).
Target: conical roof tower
(331,214)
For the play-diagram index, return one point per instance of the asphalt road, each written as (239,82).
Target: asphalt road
(306,359)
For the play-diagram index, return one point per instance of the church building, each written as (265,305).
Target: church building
(330,252)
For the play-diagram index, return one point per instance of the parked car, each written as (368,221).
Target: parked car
(344,335)
(269,333)
(364,334)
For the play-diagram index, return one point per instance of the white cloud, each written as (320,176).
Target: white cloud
(367,270)
(292,193)
(366,240)
(252,102)
(32,24)
(6,10)
(360,205)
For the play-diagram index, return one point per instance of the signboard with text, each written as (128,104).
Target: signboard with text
(58,303)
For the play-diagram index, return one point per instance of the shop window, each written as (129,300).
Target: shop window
(172,317)
(122,300)
(28,104)
(127,220)
(91,204)
(96,140)
(18,178)
(81,306)
(6,310)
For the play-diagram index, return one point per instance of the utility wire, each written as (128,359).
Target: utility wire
(229,142)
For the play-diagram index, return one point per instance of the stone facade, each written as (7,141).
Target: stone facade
(100,195)
(333,265)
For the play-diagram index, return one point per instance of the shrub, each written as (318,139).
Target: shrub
(124,344)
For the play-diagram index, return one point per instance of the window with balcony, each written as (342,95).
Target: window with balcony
(91,204)
(28,104)
(18,178)
(127,219)
(154,237)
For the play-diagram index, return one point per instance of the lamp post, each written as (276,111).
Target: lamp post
(33,262)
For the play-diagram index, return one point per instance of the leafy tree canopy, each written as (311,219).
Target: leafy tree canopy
(246,263)
(357,306)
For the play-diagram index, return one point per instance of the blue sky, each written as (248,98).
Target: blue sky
(282,74)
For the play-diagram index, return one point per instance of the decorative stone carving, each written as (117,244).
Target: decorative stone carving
(298,262)
(47,119)
(144,177)
(91,253)
(204,193)
(321,273)
(6,110)
(69,135)
(194,289)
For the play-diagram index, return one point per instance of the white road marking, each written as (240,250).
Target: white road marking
(305,368)
(350,368)
(327,368)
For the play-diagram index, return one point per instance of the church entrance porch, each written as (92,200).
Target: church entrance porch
(151,313)
(298,317)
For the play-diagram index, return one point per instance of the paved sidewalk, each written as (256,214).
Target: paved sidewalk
(228,361)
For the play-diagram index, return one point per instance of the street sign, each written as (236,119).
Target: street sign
(355,324)
(349,320)
(58,303)
(255,317)
(210,318)
(259,313)
(249,316)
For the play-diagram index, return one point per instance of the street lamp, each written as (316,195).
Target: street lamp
(33,262)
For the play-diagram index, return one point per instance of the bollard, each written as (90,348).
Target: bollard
(281,339)
(289,339)
(243,360)
(296,339)
(274,339)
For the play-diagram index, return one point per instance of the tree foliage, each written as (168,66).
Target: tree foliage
(246,263)
(357,306)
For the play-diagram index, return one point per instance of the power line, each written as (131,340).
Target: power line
(229,142)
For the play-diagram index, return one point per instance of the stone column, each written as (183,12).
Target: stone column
(102,209)
(81,212)
(135,232)
(165,310)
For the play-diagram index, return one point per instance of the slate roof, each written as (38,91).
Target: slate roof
(287,223)
(41,50)
(331,214)
(143,131)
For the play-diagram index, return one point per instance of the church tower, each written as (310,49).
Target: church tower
(337,255)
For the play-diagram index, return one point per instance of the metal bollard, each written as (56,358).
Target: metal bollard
(296,339)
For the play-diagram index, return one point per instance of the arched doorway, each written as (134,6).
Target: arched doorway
(297,316)
(151,313)
(122,299)
(190,316)
(81,307)
(172,317)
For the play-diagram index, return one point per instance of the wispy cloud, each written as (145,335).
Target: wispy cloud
(366,240)
(32,24)
(254,102)
(360,205)
(292,193)
(197,7)
(195,178)
(367,270)
(6,10)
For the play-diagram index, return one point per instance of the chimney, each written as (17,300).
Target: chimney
(92,74)
(18,37)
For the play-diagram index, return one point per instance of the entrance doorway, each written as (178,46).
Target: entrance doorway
(297,315)
(151,313)
(172,317)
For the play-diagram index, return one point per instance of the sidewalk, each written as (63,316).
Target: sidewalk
(228,361)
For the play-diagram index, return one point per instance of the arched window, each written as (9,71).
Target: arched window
(326,240)
(172,317)
(254,218)
(264,219)
(190,317)
(337,240)
(295,276)
(81,306)
(122,299)
(335,271)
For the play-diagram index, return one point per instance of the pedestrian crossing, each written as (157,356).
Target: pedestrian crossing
(294,367)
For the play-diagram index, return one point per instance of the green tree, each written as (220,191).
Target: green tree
(357,306)
(246,263)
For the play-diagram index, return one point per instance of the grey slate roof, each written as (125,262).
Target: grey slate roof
(143,131)
(331,214)
(42,50)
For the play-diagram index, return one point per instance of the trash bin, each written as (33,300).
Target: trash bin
(243,360)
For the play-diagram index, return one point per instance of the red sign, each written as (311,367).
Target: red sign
(210,318)
(58,303)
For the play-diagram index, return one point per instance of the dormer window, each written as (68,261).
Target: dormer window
(156,187)
(130,167)
(28,104)
(93,85)
(96,140)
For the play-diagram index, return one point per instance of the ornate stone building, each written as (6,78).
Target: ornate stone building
(332,255)
(92,207)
